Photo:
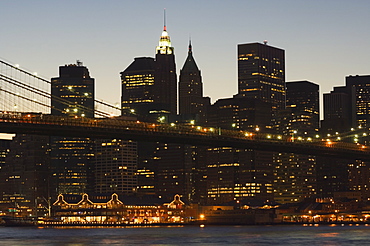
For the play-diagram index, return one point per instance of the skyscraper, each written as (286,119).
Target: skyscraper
(302,100)
(361,98)
(165,78)
(73,91)
(339,110)
(261,73)
(72,158)
(138,87)
(115,166)
(149,90)
(25,175)
(295,174)
(191,100)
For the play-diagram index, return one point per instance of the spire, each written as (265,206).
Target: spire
(164,20)
(190,63)
(190,47)
(164,46)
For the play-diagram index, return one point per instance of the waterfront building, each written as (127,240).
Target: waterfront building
(115,166)
(238,174)
(72,158)
(359,179)
(4,150)
(191,100)
(114,209)
(332,176)
(25,175)
(294,177)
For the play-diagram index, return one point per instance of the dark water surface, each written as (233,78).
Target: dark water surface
(189,235)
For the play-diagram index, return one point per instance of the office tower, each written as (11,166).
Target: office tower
(165,78)
(149,91)
(149,86)
(294,177)
(191,101)
(138,87)
(339,110)
(302,99)
(73,92)
(361,98)
(115,166)
(173,169)
(72,158)
(239,113)
(238,174)
(295,174)
(4,150)
(359,178)
(332,175)
(261,74)
(25,174)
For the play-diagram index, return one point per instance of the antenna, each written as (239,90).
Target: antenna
(190,48)
(164,19)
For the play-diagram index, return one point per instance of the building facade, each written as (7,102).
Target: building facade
(72,159)
(261,73)
(138,87)
(191,101)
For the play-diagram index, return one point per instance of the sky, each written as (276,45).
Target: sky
(324,41)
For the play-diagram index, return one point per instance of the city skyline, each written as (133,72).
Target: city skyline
(324,42)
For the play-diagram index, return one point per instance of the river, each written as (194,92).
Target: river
(189,235)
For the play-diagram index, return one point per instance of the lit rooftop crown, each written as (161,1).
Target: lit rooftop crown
(164,46)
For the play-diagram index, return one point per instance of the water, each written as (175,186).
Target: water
(189,235)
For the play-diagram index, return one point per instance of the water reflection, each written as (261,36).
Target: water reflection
(194,235)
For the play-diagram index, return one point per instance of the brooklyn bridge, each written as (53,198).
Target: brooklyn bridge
(25,109)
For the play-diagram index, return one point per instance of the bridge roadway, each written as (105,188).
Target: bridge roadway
(43,124)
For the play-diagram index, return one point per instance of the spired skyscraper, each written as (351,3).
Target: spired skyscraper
(191,101)
(149,91)
(165,78)
(149,86)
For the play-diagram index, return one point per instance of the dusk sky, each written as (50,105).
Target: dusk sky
(324,41)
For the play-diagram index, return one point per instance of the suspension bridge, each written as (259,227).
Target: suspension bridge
(25,106)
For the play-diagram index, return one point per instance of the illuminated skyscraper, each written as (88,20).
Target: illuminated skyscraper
(73,92)
(303,107)
(261,73)
(149,91)
(295,174)
(165,78)
(361,98)
(338,111)
(138,87)
(115,166)
(24,177)
(72,158)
